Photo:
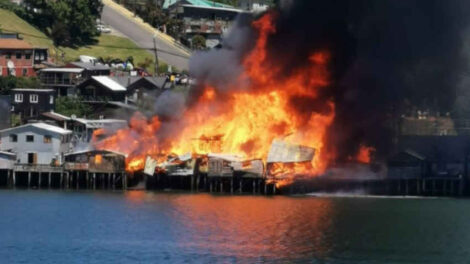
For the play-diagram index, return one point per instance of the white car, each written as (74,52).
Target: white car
(103,29)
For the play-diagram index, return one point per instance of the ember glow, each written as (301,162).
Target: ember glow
(243,121)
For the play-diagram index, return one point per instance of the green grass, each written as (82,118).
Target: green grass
(107,46)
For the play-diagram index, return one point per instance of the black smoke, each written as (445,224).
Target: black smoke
(387,57)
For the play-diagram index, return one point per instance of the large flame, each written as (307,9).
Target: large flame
(243,121)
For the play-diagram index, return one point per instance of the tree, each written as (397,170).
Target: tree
(72,106)
(67,22)
(10,82)
(198,42)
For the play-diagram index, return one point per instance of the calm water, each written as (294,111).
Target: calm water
(142,227)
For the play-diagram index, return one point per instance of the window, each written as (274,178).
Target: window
(18,98)
(27,56)
(18,55)
(25,71)
(13,138)
(47,139)
(8,55)
(29,138)
(51,99)
(33,98)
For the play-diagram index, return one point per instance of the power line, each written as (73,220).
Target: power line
(152,49)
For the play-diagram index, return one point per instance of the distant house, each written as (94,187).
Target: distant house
(139,88)
(255,6)
(5,107)
(62,80)
(101,89)
(90,69)
(203,17)
(430,156)
(27,104)
(83,128)
(16,58)
(36,143)
(96,161)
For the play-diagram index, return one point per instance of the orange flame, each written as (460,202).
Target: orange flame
(364,154)
(243,121)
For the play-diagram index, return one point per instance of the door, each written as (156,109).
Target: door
(32,158)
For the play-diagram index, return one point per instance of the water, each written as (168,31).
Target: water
(144,227)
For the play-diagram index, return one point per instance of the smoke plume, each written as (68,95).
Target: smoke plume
(386,57)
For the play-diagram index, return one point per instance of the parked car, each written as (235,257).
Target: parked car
(103,29)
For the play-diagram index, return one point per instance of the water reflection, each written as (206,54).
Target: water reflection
(250,227)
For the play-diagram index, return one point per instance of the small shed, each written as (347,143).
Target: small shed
(102,89)
(407,164)
(7,160)
(96,161)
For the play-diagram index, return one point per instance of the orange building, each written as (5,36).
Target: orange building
(18,58)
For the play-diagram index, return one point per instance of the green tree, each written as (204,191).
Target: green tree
(67,22)
(198,42)
(10,82)
(72,106)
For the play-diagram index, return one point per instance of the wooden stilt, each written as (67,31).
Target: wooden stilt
(433,187)
(87,180)
(231,186)
(197,182)
(39,180)
(274,189)
(221,185)
(29,179)
(49,180)
(14,179)
(77,179)
(210,186)
(254,186)
(114,181)
(240,189)
(61,180)
(108,176)
(444,187)
(10,179)
(192,182)
(265,188)
(94,181)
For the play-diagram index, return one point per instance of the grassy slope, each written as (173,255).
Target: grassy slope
(107,46)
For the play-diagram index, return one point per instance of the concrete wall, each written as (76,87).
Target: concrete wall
(45,151)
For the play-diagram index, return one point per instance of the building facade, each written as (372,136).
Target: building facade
(28,104)
(36,143)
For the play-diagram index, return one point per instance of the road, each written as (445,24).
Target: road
(167,52)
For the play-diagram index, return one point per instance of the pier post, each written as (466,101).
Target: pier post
(274,188)
(197,182)
(77,179)
(424,185)
(14,179)
(94,181)
(406,187)
(221,185)
(114,180)
(418,187)
(102,181)
(452,187)
(61,180)
(192,182)
(241,186)
(433,186)
(265,188)
(460,185)
(87,180)
(109,181)
(10,179)
(210,186)
(231,185)
(29,179)
(39,180)
(254,186)
(49,179)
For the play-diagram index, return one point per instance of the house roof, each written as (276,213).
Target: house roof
(200,3)
(95,151)
(17,44)
(89,66)
(109,83)
(56,116)
(71,70)
(99,123)
(42,126)
(32,90)
(126,80)
(8,153)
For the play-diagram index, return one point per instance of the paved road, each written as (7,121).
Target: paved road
(144,39)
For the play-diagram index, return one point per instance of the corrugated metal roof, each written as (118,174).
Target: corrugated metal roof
(201,3)
(31,90)
(14,44)
(109,83)
(43,126)
(56,116)
(72,70)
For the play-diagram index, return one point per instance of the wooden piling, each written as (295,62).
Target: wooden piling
(192,182)
(433,186)
(39,180)
(77,179)
(265,188)
(241,186)
(197,182)
(94,181)
(221,185)
(231,185)
(49,180)
(29,179)
(14,179)
(254,186)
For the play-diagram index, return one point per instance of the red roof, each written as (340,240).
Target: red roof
(14,44)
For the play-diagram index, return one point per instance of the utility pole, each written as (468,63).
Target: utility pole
(156,54)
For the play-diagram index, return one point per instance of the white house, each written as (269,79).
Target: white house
(36,143)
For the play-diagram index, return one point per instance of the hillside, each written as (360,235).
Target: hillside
(107,46)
